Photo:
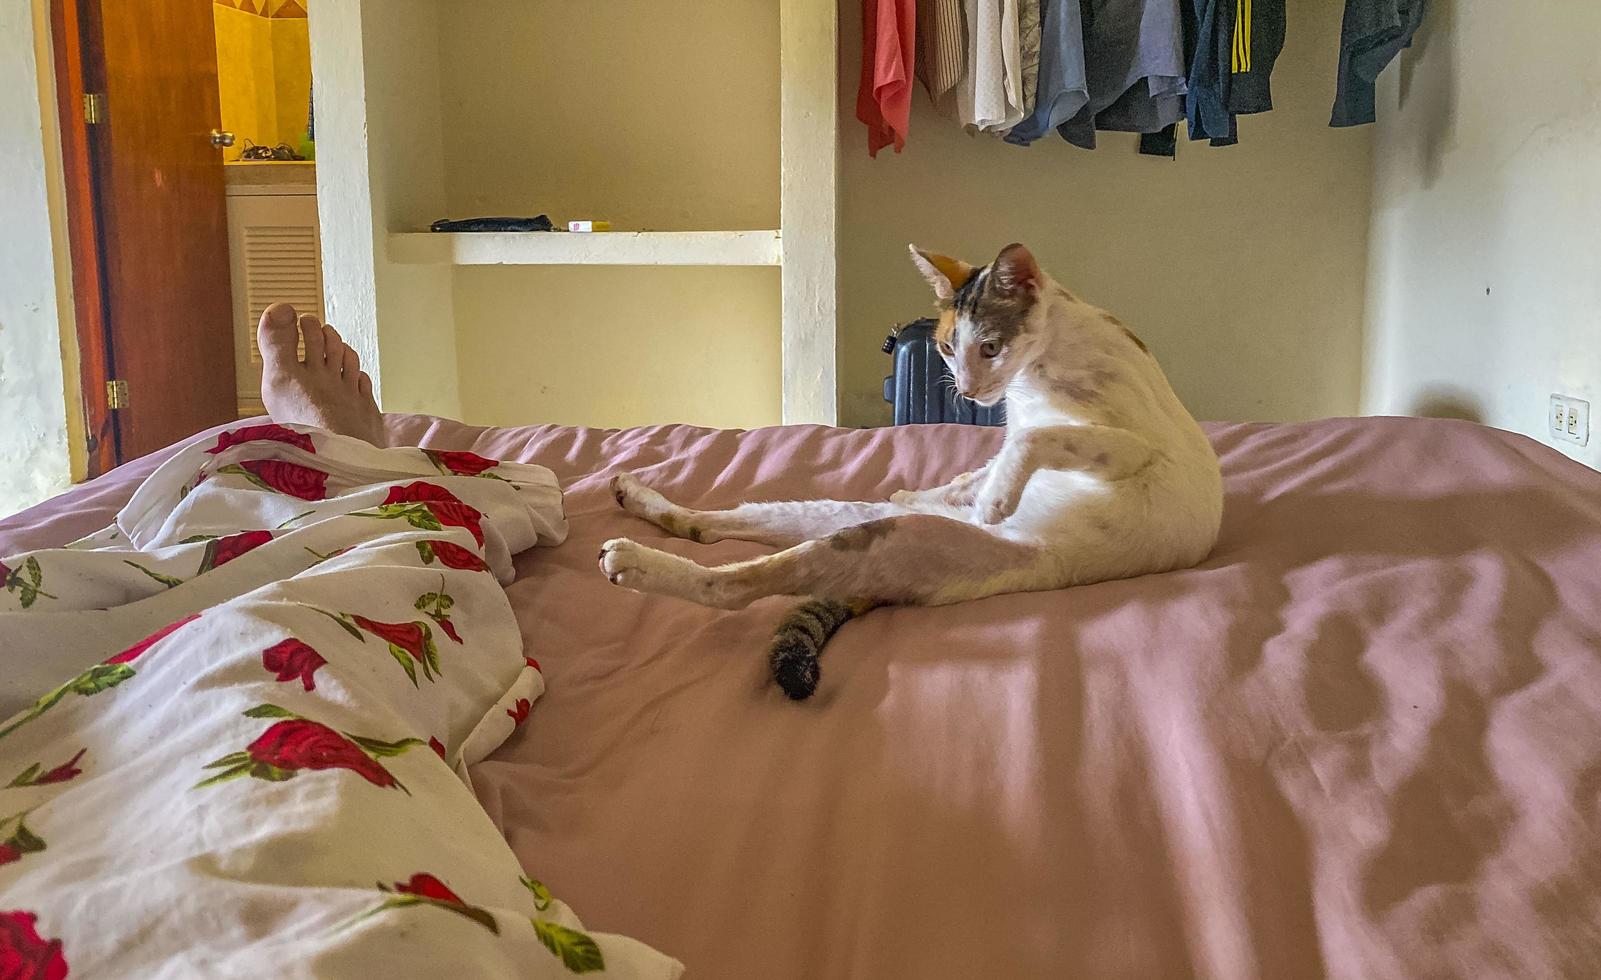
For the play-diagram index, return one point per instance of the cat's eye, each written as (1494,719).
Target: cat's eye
(989,348)
(945,349)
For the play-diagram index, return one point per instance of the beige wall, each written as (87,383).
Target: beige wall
(1242,267)
(655,116)
(1485,271)
(617,347)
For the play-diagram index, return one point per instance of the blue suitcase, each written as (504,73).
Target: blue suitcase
(921,388)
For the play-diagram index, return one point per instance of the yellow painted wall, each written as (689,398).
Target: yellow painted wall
(1243,267)
(291,73)
(244,76)
(658,116)
(263,76)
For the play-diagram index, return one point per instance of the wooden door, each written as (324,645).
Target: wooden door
(162,215)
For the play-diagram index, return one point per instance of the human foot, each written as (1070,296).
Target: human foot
(328,389)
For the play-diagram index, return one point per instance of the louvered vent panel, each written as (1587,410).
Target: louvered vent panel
(281,263)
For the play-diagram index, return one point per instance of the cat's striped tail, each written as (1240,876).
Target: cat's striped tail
(798,641)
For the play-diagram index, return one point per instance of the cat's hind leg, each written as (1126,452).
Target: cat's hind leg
(780,524)
(909,559)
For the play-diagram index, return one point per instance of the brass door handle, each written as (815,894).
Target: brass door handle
(221,138)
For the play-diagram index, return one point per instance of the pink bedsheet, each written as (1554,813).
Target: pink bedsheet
(1362,740)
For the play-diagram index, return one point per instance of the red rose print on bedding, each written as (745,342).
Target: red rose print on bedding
(27,581)
(534,664)
(518,713)
(26,955)
(294,744)
(438,747)
(408,636)
(16,841)
(451,556)
(428,507)
(410,643)
(262,433)
(293,660)
(134,652)
(424,889)
(427,886)
(461,463)
(221,551)
(282,477)
(436,606)
(407,642)
(65,772)
(100,677)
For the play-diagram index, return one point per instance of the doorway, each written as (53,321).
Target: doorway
(187,142)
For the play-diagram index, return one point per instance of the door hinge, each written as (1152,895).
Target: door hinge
(116,394)
(94,107)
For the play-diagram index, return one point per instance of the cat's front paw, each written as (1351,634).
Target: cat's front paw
(962,495)
(994,507)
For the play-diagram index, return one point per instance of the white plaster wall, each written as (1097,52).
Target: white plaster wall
(34,458)
(344,196)
(1485,260)
(380,168)
(417,341)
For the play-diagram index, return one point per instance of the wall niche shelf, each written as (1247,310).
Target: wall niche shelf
(599,248)
(400,85)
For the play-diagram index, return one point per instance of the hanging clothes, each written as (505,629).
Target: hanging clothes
(1252,34)
(990,94)
(1134,62)
(884,95)
(1374,32)
(1254,50)
(1062,88)
(941,47)
(1210,79)
(1029,16)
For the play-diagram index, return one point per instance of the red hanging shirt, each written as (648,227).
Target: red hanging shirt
(884,98)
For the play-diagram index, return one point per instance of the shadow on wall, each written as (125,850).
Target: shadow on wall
(1447,402)
(1437,85)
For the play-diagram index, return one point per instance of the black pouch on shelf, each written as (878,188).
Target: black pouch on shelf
(537,223)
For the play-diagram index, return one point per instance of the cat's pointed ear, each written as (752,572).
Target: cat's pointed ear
(944,273)
(1015,270)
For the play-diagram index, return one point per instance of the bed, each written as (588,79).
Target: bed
(1362,740)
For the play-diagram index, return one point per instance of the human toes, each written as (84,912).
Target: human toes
(333,350)
(276,336)
(312,336)
(350,367)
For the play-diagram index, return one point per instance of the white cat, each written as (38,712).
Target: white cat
(1103,475)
